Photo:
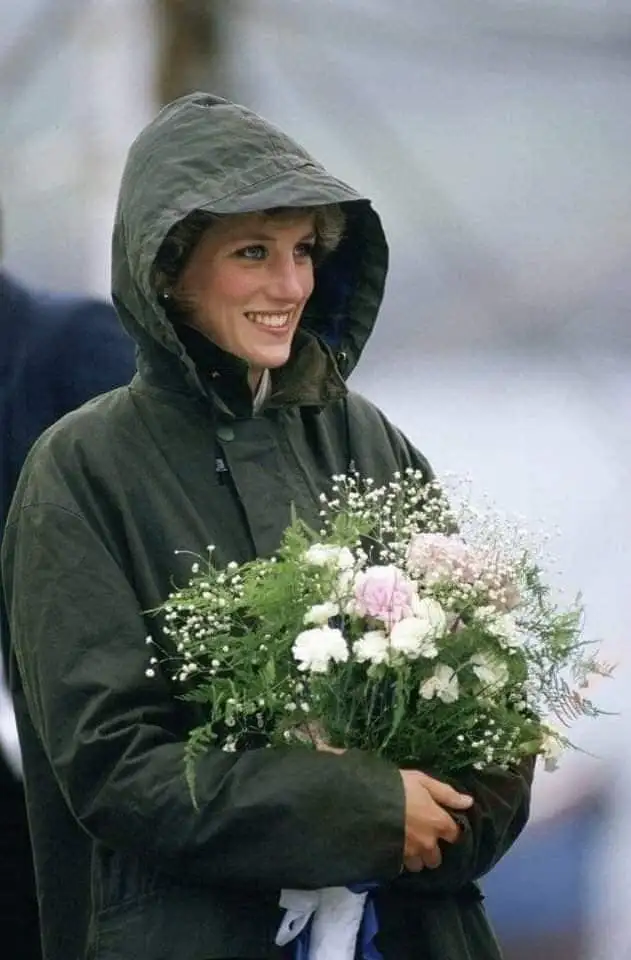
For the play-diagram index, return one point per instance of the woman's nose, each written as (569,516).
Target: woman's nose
(292,281)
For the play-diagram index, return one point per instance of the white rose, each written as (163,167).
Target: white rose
(321,613)
(373,647)
(443,684)
(414,637)
(314,649)
(492,673)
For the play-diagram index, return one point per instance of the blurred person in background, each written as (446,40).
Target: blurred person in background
(251,279)
(56,352)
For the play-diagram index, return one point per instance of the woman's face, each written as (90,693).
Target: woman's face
(246,284)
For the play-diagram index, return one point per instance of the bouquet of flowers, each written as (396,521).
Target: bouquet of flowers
(411,624)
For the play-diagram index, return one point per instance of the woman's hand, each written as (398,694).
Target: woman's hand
(426,820)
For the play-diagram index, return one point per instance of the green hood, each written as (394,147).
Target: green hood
(204,153)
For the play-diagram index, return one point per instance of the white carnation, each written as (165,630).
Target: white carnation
(321,613)
(328,555)
(314,649)
(492,672)
(346,582)
(414,637)
(345,559)
(442,684)
(432,612)
(373,647)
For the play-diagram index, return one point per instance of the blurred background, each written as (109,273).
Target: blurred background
(495,139)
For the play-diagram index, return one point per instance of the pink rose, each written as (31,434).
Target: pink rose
(384,593)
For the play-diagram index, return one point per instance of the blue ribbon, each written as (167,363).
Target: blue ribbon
(302,943)
(367,932)
(370,924)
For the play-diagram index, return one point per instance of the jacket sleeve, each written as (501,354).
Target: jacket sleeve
(488,830)
(269,817)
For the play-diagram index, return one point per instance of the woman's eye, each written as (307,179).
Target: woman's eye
(305,250)
(255,251)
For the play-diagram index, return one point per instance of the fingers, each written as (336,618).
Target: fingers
(325,748)
(430,857)
(413,864)
(445,795)
(448,830)
(311,732)
(426,852)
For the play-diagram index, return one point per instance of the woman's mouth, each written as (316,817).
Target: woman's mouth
(271,321)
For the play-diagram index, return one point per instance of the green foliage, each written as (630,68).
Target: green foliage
(200,740)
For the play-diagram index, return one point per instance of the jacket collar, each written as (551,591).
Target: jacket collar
(311,377)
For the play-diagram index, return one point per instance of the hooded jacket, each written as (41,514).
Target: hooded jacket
(126,866)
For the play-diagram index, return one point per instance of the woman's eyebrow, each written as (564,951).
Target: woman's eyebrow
(262,237)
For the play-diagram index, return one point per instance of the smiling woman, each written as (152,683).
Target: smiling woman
(251,298)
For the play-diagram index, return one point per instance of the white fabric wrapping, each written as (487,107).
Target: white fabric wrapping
(299,907)
(9,745)
(337,915)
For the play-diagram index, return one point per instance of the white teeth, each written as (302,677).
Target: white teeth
(269,319)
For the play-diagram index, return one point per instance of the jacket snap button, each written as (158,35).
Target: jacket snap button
(225,433)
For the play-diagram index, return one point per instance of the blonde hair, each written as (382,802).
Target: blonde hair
(178,245)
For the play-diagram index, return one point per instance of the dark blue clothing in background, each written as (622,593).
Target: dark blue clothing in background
(56,352)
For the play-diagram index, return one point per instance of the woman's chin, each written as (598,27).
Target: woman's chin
(270,359)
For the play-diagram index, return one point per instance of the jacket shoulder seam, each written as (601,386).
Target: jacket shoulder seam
(43,503)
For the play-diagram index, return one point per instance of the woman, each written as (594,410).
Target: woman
(250,279)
